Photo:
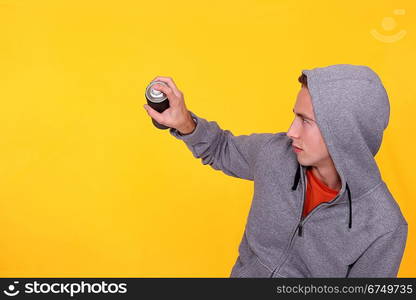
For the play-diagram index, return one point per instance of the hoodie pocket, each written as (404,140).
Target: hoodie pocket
(349,269)
(248,264)
(253,269)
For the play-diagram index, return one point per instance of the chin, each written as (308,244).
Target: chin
(305,162)
(302,162)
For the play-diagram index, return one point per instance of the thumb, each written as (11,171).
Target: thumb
(153,113)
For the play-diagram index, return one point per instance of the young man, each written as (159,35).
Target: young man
(320,207)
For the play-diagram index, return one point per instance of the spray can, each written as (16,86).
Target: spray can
(157,100)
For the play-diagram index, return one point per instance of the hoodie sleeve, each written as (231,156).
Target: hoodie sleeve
(234,155)
(383,257)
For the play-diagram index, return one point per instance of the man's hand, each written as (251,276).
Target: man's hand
(177,115)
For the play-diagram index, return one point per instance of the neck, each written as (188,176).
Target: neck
(328,175)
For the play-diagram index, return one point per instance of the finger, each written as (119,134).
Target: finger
(169,81)
(153,113)
(165,89)
(173,99)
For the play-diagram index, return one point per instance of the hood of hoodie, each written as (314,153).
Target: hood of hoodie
(352,110)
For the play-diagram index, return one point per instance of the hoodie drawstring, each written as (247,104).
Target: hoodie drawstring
(350,205)
(295,186)
(297,177)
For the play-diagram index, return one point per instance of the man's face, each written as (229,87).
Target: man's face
(305,134)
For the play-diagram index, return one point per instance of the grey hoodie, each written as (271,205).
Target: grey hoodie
(361,232)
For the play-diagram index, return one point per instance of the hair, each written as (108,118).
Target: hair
(303,80)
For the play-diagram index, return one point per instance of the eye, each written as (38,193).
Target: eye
(305,121)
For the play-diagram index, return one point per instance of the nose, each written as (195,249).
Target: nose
(294,131)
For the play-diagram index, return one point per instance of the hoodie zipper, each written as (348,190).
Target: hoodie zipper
(305,180)
(303,204)
(302,221)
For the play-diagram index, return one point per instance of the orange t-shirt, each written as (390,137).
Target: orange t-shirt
(316,193)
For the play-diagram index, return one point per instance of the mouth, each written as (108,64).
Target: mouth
(296,149)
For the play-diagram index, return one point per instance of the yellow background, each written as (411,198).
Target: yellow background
(89,187)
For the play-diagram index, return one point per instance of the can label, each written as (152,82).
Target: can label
(157,100)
